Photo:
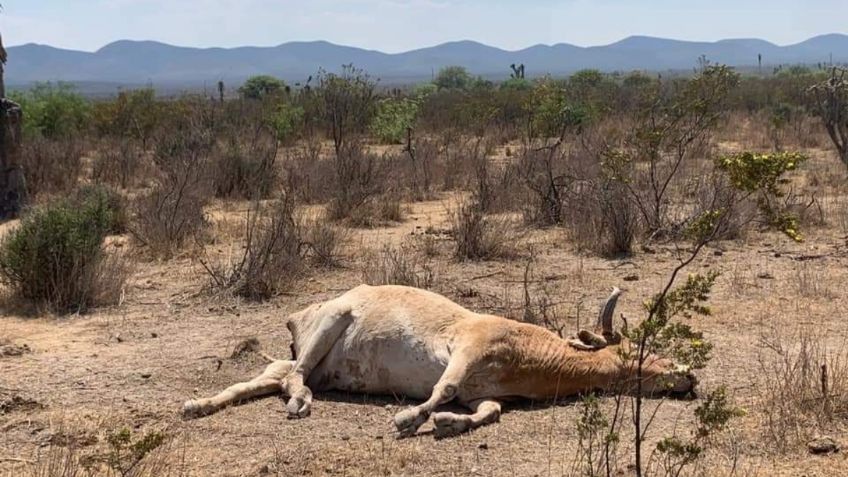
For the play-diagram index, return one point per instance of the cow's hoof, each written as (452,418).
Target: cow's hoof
(409,420)
(192,409)
(450,424)
(300,406)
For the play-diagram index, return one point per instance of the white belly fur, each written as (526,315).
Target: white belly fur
(380,363)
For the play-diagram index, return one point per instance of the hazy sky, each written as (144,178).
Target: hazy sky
(398,25)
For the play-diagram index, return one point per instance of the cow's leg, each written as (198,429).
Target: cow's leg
(484,412)
(332,323)
(266,383)
(409,420)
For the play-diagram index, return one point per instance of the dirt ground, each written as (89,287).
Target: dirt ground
(70,381)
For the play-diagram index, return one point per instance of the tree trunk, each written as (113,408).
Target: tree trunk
(12,184)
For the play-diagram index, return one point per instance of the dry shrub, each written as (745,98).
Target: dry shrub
(307,174)
(482,237)
(118,162)
(803,385)
(171,214)
(244,166)
(273,254)
(361,194)
(539,307)
(427,244)
(463,159)
(377,211)
(356,181)
(602,218)
(543,174)
(418,168)
(713,192)
(326,241)
(169,218)
(51,166)
(401,265)
(129,454)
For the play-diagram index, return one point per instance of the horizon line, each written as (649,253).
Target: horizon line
(433,45)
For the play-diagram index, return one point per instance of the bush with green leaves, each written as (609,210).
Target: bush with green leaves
(134,114)
(762,175)
(453,78)
(423,90)
(516,84)
(106,203)
(53,111)
(660,333)
(55,258)
(673,123)
(550,111)
(393,118)
(262,86)
(286,120)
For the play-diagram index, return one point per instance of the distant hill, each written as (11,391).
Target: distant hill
(140,62)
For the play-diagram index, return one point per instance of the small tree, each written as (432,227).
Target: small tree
(395,116)
(347,103)
(762,175)
(454,77)
(669,128)
(53,111)
(133,114)
(830,103)
(258,87)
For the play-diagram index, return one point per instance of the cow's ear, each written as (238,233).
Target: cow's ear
(588,341)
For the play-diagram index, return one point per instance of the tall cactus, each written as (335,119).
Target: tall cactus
(517,71)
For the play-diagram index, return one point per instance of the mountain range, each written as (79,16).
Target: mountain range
(149,62)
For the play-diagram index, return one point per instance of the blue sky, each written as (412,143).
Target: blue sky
(398,25)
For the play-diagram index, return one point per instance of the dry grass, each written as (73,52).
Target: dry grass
(479,236)
(401,265)
(119,162)
(51,166)
(803,385)
(272,258)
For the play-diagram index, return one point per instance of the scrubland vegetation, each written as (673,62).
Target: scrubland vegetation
(264,197)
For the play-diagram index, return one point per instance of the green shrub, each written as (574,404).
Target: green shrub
(550,111)
(134,114)
(107,204)
(53,111)
(394,116)
(262,86)
(55,257)
(286,121)
(453,77)
(761,175)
